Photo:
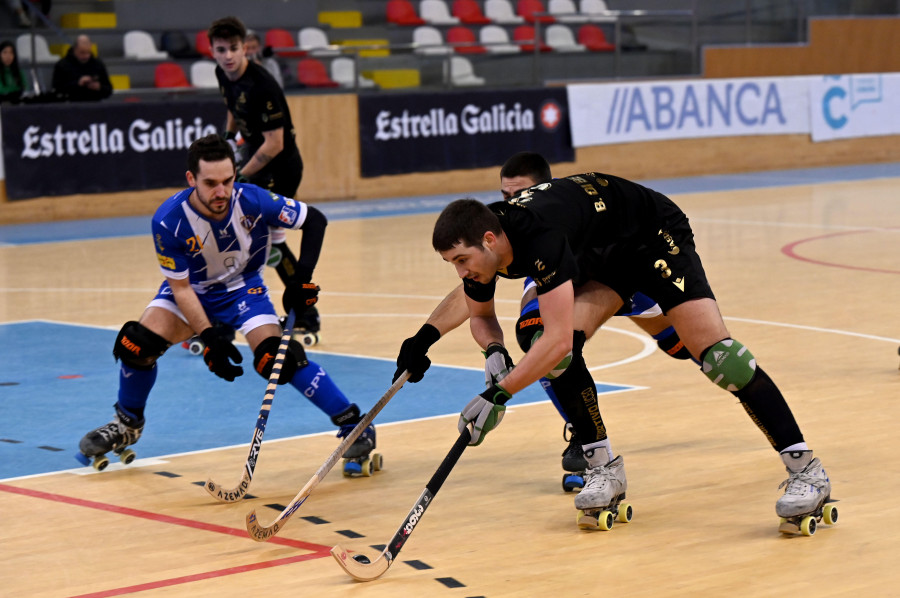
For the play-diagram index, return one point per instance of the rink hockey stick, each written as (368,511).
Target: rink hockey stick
(260,532)
(235,494)
(358,566)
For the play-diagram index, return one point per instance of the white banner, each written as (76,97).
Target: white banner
(627,112)
(864,105)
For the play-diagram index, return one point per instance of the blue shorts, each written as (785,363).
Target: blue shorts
(639,306)
(243,309)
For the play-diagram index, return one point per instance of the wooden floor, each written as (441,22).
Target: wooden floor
(806,276)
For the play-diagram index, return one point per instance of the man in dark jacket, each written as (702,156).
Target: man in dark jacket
(81,76)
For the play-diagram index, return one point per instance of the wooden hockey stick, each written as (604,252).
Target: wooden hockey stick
(358,566)
(260,532)
(235,494)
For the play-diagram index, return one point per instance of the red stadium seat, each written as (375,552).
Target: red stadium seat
(525,34)
(170,74)
(528,8)
(468,12)
(402,12)
(283,43)
(464,35)
(312,73)
(201,43)
(593,38)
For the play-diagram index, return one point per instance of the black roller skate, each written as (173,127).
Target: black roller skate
(309,325)
(359,460)
(123,431)
(195,344)
(573,462)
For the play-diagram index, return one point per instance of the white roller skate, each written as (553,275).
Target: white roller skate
(115,436)
(359,460)
(600,501)
(806,499)
(573,461)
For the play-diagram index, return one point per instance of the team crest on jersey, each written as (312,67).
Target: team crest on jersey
(288,216)
(248,223)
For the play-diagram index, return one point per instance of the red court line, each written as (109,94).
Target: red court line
(317,550)
(789,250)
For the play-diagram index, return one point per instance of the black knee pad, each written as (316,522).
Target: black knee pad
(528,326)
(674,347)
(138,346)
(267,350)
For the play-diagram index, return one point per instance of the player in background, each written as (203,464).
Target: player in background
(211,241)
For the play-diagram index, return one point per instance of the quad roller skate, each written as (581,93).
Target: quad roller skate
(309,324)
(196,346)
(359,460)
(573,462)
(806,501)
(123,431)
(600,501)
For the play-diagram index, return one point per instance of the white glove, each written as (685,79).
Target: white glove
(484,413)
(497,365)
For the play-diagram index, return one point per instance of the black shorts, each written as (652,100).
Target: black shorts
(282,176)
(664,266)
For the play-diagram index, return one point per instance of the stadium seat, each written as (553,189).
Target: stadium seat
(311,73)
(139,45)
(561,39)
(343,71)
(314,41)
(436,12)
(526,36)
(468,12)
(402,12)
(596,11)
(527,9)
(501,12)
(42,54)
(565,11)
(282,42)
(201,43)
(203,74)
(170,74)
(428,40)
(465,37)
(592,37)
(177,45)
(462,73)
(496,41)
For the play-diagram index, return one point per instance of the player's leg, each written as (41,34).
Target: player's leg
(648,316)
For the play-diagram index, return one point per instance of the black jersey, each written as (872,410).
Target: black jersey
(258,105)
(563,230)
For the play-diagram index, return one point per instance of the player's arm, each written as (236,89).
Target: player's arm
(483,322)
(557,311)
(300,293)
(273,143)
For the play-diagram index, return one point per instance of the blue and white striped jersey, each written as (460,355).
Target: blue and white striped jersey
(220,256)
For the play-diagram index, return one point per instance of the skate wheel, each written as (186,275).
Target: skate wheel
(309,339)
(572,482)
(605,520)
(100,462)
(196,347)
(351,468)
(808,525)
(127,456)
(625,513)
(589,520)
(830,514)
(83,459)
(378,461)
(367,467)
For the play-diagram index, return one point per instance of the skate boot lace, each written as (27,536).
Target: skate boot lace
(797,483)
(597,478)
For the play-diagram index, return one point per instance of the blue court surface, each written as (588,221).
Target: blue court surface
(46,406)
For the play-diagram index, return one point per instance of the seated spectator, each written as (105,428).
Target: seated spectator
(263,57)
(13,81)
(79,75)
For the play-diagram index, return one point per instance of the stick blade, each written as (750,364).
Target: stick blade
(222,494)
(259,532)
(358,570)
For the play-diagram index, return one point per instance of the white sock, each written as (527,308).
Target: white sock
(595,456)
(800,446)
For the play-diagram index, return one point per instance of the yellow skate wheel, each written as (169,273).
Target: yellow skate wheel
(100,462)
(378,461)
(808,525)
(368,467)
(605,520)
(127,456)
(625,513)
(830,514)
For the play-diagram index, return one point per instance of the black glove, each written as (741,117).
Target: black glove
(412,357)
(219,349)
(299,296)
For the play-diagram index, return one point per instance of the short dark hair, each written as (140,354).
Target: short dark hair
(226,28)
(211,148)
(464,221)
(527,164)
